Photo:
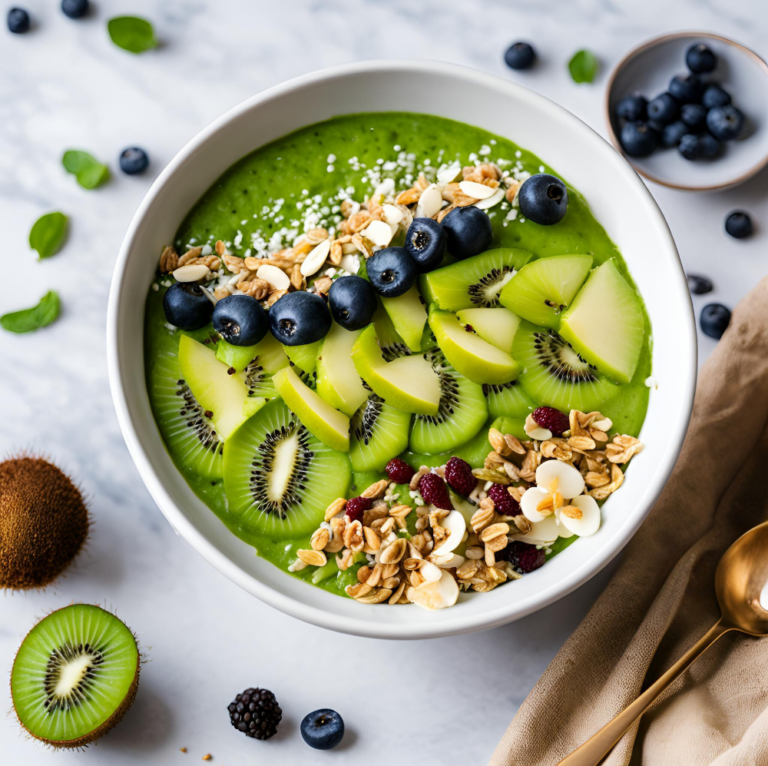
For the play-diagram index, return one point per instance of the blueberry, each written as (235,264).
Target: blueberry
(75,9)
(709,146)
(714,96)
(700,59)
(714,320)
(673,132)
(323,729)
(133,160)
(687,89)
(299,318)
(699,285)
(663,109)
(18,21)
(690,146)
(426,241)
(392,271)
(694,115)
(186,306)
(725,122)
(632,108)
(469,231)
(738,224)
(638,139)
(656,125)
(240,320)
(520,56)
(352,301)
(543,199)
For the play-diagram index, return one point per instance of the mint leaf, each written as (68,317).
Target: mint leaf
(89,172)
(131,33)
(38,316)
(48,233)
(583,66)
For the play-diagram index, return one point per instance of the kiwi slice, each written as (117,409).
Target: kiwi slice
(474,282)
(391,344)
(379,433)
(555,375)
(461,412)
(278,477)
(508,400)
(75,675)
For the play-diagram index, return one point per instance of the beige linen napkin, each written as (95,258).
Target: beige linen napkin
(661,599)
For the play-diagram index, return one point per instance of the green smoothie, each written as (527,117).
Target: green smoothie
(268,198)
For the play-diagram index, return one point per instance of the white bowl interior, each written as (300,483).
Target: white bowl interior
(618,199)
(740,71)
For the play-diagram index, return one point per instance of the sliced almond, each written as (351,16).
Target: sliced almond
(430,202)
(316,258)
(476,190)
(435,595)
(449,173)
(557,476)
(535,431)
(588,523)
(489,202)
(392,214)
(454,523)
(193,272)
(378,232)
(276,277)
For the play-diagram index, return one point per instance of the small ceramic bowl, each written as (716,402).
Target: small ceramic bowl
(619,200)
(648,69)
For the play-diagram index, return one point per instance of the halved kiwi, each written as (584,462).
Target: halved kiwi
(461,413)
(379,433)
(508,400)
(278,478)
(555,375)
(75,676)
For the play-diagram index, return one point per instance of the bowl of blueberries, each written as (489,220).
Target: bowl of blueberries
(688,111)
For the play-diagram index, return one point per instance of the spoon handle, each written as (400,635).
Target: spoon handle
(599,745)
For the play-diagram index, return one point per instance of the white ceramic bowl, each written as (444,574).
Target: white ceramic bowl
(648,69)
(619,200)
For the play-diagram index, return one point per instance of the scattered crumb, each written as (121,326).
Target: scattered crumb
(183,749)
(207,757)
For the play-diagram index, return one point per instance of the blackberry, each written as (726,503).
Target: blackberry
(256,713)
(504,503)
(434,491)
(551,419)
(357,506)
(458,474)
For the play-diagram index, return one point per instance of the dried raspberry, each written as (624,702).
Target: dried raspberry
(434,491)
(505,504)
(356,506)
(458,474)
(523,556)
(551,419)
(399,471)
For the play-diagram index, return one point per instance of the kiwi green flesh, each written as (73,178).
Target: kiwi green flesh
(75,675)
(462,410)
(555,375)
(378,433)
(258,381)
(304,357)
(278,477)
(509,399)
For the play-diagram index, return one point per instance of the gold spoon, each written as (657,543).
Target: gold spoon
(741,581)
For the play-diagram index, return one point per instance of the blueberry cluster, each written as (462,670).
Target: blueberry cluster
(695,114)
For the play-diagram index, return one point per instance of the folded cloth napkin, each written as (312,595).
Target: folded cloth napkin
(662,598)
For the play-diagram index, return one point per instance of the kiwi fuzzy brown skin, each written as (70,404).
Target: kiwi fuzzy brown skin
(44,522)
(81,743)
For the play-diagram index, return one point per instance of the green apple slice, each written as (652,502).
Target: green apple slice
(408,383)
(409,315)
(473,357)
(320,419)
(497,326)
(337,379)
(217,391)
(606,323)
(304,357)
(543,289)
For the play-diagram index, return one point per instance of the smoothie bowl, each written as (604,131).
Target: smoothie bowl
(396,351)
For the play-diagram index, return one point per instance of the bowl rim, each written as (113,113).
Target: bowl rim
(642,48)
(308,612)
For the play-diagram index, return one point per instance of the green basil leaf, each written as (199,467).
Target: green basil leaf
(583,66)
(48,233)
(132,33)
(88,171)
(38,316)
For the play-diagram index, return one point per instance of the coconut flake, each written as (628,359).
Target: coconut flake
(589,522)
(529,504)
(449,173)
(435,595)
(392,215)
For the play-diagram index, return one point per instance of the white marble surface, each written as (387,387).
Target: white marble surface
(64,85)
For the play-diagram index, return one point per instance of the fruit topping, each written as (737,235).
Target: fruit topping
(714,96)
(378,431)
(299,318)
(543,199)
(186,306)
(714,320)
(638,139)
(426,241)
(551,419)
(738,224)
(497,326)
(133,160)
(399,471)
(409,315)
(459,476)
(699,285)
(700,58)
(240,320)
(503,502)
(352,301)
(663,109)
(632,108)
(322,729)
(686,88)
(672,133)
(337,379)
(434,491)
(469,231)
(523,557)
(356,507)
(256,713)
(392,271)
(520,55)
(725,123)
